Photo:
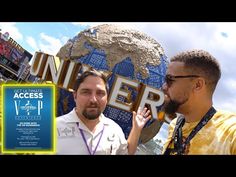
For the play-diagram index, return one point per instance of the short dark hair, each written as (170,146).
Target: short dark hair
(200,62)
(92,72)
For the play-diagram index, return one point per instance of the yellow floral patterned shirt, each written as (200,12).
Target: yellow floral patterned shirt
(218,136)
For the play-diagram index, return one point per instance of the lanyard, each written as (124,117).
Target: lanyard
(179,145)
(178,140)
(91,152)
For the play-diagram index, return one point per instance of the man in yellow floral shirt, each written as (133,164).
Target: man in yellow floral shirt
(191,80)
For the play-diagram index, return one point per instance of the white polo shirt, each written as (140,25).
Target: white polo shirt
(70,139)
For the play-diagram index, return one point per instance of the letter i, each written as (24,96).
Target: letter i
(40,106)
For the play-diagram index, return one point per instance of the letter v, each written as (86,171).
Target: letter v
(17,107)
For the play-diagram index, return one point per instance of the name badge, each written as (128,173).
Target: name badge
(66,132)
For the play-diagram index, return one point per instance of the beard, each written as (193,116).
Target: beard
(92,114)
(171,107)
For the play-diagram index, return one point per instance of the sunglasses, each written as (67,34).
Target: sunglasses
(169,79)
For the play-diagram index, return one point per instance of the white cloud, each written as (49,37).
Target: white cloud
(12,30)
(31,41)
(64,39)
(231,83)
(228,105)
(228,43)
(49,44)
(46,43)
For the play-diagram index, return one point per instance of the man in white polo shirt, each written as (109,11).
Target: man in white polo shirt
(85,130)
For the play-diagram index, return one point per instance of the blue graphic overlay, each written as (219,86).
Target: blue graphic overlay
(28,118)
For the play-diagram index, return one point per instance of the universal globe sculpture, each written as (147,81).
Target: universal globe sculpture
(124,52)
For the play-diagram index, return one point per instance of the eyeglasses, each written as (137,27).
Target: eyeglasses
(169,79)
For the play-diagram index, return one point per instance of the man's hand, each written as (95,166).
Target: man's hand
(141,117)
(139,120)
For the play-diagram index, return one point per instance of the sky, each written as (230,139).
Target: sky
(217,38)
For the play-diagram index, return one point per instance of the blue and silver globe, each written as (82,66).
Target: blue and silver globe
(123,52)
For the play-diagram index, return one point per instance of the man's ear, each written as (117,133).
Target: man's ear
(74,94)
(199,84)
